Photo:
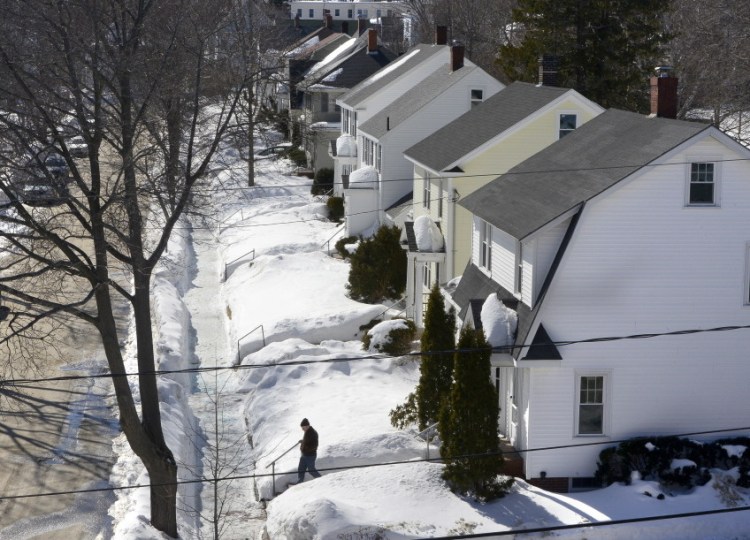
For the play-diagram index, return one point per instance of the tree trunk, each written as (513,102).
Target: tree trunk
(250,136)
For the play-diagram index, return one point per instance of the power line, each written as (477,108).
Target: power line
(348,467)
(378,356)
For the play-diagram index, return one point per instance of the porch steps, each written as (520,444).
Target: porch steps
(513,461)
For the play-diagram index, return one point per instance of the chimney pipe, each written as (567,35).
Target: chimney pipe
(328,21)
(664,93)
(372,41)
(441,35)
(457,56)
(361,26)
(549,65)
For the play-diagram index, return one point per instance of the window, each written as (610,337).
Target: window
(591,405)
(378,13)
(567,124)
(485,245)
(336,12)
(427,275)
(702,189)
(312,13)
(299,12)
(519,268)
(426,190)
(349,14)
(378,157)
(476,97)
(747,274)
(323,102)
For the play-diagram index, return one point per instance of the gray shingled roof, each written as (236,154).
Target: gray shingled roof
(369,87)
(481,124)
(413,100)
(576,168)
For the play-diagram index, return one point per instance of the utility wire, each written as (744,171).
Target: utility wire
(227,478)
(379,356)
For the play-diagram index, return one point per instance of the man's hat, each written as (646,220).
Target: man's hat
(304,422)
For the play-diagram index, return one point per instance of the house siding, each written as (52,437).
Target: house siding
(546,247)
(643,262)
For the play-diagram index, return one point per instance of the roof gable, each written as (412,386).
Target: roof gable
(414,100)
(590,160)
(482,124)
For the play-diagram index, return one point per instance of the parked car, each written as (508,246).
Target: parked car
(39,194)
(77,147)
(272,152)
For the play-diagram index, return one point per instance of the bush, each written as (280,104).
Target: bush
(341,244)
(378,268)
(404,414)
(398,340)
(323,182)
(297,156)
(335,208)
(652,458)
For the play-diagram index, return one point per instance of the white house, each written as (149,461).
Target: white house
(629,225)
(376,92)
(466,154)
(344,10)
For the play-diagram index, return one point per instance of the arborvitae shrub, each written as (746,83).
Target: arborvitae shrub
(297,156)
(468,424)
(436,370)
(335,208)
(322,182)
(378,268)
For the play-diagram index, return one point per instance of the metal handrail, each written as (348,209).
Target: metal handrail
(262,335)
(226,264)
(423,433)
(327,243)
(273,466)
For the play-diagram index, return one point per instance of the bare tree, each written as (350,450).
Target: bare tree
(711,52)
(129,78)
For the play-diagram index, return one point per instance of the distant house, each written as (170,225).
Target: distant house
(465,155)
(344,10)
(373,94)
(629,225)
(447,92)
(353,61)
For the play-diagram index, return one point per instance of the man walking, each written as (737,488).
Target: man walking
(309,449)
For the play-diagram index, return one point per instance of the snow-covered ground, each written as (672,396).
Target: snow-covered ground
(283,312)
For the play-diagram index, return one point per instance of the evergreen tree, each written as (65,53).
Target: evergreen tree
(378,267)
(436,370)
(468,423)
(607,48)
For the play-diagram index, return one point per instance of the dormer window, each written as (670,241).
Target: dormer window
(485,245)
(568,124)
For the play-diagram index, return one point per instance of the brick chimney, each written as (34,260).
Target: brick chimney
(372,41)
(664,93)
(441,35)
(328,21)
(549,66)
(457,56)
(361,26)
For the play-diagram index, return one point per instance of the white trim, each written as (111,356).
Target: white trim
(568,112)
(746,287)
(606,401)
(714,160)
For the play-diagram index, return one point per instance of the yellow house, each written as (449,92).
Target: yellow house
(466,154)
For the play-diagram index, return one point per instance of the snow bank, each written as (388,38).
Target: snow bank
(364,178)
(428,235)
(498,321)
(346,146)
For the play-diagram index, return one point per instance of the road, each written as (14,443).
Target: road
(57,436)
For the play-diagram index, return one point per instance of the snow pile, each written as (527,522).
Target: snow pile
(332,76)
(428,235)
(498,321)
(304,46)
(364,178)
(380,333)
(346,146)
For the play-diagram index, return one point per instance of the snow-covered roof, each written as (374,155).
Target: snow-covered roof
(428,235)
(499,322)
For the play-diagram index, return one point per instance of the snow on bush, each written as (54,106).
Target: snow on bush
(428,235)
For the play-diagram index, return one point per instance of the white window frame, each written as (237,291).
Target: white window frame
(604,404)
(440,199)
(311,11)
(349,13)
(562,132)
(336,12)
(518,274)
(746,287)
(715,162)
(485,245)
(427,275)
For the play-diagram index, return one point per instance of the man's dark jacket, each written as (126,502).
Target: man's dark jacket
(309,445)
